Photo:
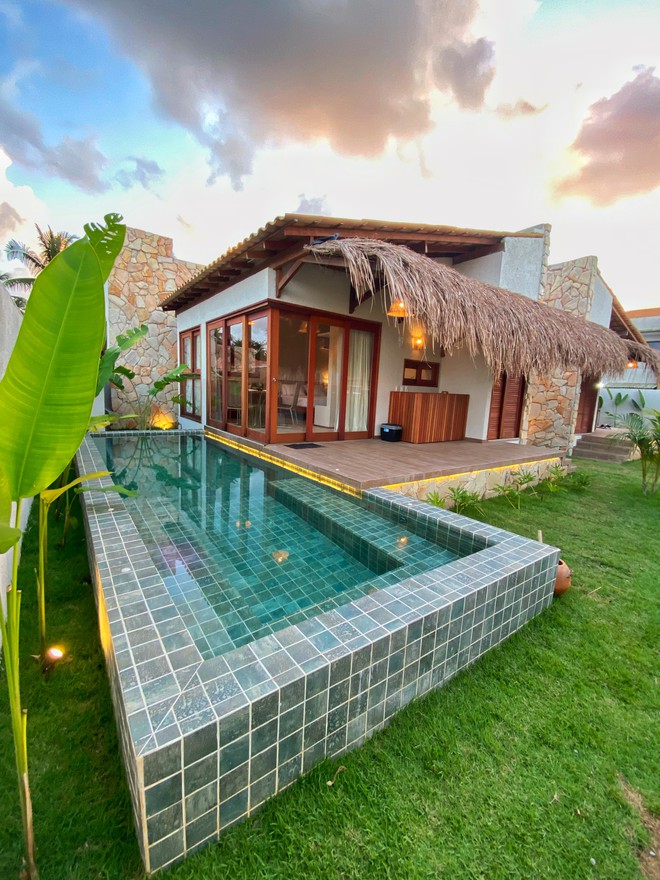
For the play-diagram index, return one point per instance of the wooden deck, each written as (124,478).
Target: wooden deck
(364,464)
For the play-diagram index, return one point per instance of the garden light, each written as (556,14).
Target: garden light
(53,655)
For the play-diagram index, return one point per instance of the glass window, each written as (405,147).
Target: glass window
(257,372)
(216,373)
(191,389)
(358,388)
(292,374)
(329,343)
(234,373)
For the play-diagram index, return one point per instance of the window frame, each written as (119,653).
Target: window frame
(418,366)
(192,334)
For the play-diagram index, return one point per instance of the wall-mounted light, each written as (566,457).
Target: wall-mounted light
(632,365)
(418,343)
(397,310)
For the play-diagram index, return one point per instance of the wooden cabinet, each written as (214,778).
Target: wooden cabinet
(429,418)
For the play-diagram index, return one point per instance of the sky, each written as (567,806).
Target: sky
(203,120)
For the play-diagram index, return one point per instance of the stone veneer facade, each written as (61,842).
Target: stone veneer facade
(145,273)
(551,402)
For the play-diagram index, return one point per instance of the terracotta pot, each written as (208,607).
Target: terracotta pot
(563,581)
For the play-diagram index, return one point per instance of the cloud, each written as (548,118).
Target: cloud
(520,108)
(619,142)
(79,161)
(10,219)
(312,205)
(468,69)
(242,75)
(145,172)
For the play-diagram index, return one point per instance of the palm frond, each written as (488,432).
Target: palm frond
(18,250)
(52,243)
(17,285)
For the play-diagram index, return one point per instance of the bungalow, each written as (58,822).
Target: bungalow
(318,329)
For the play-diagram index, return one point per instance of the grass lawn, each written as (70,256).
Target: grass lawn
(511,771)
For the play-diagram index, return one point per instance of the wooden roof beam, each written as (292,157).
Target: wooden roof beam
(477,252)
(387,235)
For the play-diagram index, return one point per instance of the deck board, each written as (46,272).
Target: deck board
(365,464)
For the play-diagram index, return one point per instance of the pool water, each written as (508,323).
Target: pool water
(246,549)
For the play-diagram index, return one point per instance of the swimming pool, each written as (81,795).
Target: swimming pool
(258,548)
(254,622)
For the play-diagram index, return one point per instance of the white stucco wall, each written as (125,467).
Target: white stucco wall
(10,323)
(648,324)
(522,265)
(601,305)
(460,374)
(609,412)
(328,290)
(487,268)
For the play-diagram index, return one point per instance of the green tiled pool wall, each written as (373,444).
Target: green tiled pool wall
(206,742)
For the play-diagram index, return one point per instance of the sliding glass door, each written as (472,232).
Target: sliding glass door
(280,376)
(326,379)
(238,365)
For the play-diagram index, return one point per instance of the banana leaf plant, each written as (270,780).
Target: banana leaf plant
(109,370)
(177,374)
(46,395)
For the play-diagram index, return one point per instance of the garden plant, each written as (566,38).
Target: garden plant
(47,395)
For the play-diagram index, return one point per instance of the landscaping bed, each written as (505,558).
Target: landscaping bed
(513,770)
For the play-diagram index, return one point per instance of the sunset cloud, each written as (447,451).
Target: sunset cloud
(619,142)
(10,219)
(520,108)
(243,75)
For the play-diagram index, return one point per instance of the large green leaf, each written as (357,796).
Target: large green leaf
(123,342)
(48,390)
(5,499)
(50,495)
(107,241)
(8,537)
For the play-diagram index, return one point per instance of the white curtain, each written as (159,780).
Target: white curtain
(360,356)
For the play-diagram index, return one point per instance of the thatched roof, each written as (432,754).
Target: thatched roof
(514,333)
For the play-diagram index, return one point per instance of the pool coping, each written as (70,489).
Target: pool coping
(180,716)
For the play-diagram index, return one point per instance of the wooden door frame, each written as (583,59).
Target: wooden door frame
(311,434)
(273,311)
(255,433)
(274,350)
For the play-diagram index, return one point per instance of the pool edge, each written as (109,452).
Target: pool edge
(235,716)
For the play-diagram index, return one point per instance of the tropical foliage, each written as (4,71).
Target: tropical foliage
(46,396)
(644,436)
(50,245)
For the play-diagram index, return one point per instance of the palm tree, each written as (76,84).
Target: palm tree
(50,245)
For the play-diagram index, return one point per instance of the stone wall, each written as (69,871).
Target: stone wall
(551,402)
(481,482)
(145,273)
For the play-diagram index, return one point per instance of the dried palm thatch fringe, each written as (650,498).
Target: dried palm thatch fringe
(514,333)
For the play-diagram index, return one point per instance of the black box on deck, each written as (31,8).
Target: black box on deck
(391,433)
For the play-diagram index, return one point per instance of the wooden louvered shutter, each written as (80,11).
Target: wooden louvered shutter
(506,407)
(512,404)
(495,408)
